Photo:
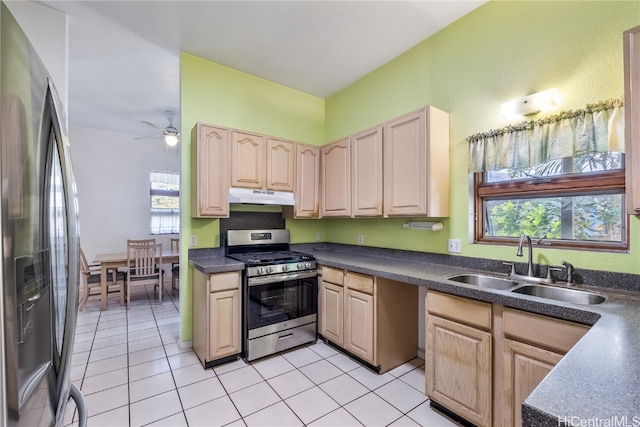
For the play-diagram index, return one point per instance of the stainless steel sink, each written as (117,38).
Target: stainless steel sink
(573,296)
(484,281)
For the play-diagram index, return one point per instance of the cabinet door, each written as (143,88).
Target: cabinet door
(332,315)
(211,172)
(524,367)
(247,160)
(416,164)
(359,325)
(405,165)
(458,369)
(366,173)
(224,323)
(281,157)
(632,118)
(307,181)
(336,179)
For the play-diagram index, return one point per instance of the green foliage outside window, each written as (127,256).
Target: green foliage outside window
(592,217)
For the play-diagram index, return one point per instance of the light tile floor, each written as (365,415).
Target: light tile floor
(133,373)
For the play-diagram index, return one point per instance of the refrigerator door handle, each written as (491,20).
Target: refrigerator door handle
(34,298)
(81,405)
(57,121)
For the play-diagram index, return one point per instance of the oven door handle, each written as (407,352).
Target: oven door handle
(255,281)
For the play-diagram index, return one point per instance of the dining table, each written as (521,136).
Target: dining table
(116,260)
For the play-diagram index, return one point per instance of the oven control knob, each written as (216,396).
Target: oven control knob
(285,267)
(260,270)
(269,270)
(300,266)
(307,264)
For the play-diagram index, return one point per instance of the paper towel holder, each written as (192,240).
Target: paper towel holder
(424,225)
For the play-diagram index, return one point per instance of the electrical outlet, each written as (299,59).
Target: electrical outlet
(361,238)
(193,240)
(454,246)
(318,236)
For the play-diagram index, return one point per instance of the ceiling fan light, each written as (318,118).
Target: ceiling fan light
(171,140)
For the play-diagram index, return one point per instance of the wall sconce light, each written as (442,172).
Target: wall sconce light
(430,225)
(531,104)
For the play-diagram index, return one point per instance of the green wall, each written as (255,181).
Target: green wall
(501,51)
(213,93)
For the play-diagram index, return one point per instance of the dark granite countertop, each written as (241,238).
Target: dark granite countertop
(597,380)
(215,264)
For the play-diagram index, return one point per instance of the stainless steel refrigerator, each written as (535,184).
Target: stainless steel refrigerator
(40,240)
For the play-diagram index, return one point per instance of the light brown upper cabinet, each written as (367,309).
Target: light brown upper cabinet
(262,162)
(247,160)
(307,185)
(281,156)
(210,179)
(336,179)
(416,164)
(366,173)
(632,118)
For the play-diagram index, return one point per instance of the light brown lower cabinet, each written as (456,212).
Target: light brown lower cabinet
(373,318)
(332,312)
(465,338)
(359,324)
(532,345)
(216,316)
(458,352)
(524,367)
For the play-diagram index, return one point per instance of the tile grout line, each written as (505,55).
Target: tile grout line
(155,319)
(86,364)
(322,357)
(128,366)
(369,391)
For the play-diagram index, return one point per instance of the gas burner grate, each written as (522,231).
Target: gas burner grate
(255,258)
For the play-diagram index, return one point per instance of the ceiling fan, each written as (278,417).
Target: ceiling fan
(170,133)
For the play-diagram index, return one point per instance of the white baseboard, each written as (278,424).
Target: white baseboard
(183,345)
(421,353)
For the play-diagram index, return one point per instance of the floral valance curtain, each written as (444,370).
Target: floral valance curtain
(596,128)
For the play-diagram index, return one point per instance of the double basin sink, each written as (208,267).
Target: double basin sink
(573,296)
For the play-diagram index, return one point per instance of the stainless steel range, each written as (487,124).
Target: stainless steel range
(279,294)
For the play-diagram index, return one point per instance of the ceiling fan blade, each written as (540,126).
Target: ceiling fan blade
(149,137)
(152,125)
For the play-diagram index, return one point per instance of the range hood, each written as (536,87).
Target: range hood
(260,197)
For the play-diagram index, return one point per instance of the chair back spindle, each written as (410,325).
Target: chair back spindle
(143,267)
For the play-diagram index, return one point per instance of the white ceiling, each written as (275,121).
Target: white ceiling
(124,56)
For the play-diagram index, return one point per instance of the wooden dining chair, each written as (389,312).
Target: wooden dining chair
(143,268)
(175,267)
(131,242)
(92,279)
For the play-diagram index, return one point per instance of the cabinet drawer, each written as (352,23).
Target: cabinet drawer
(460,309)
(359,282)
(224,281)
(547,332)
(332,275)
